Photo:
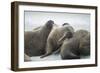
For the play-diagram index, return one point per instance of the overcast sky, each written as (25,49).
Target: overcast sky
(35,19)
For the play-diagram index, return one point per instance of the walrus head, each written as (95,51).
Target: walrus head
(67,35)
(65,24)
(49,23)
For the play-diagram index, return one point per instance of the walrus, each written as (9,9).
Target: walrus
(26,58)
(77,46)
(84,46)
(35,40)
(56,34)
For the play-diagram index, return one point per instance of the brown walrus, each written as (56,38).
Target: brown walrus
(55,35)
(77,46)
(35,41)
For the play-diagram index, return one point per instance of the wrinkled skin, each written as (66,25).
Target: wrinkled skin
(85,46)
(56,34)
(35,41)
(78,45)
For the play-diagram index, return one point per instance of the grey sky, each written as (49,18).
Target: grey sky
(35,19)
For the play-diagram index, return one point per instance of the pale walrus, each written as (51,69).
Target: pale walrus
(35,41)
(56,34)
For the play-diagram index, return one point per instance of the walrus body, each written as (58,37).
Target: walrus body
(26,58)
(35,41)
(85,45)
(78,45)
(55,35)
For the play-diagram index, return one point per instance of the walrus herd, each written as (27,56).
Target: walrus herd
(51,38)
